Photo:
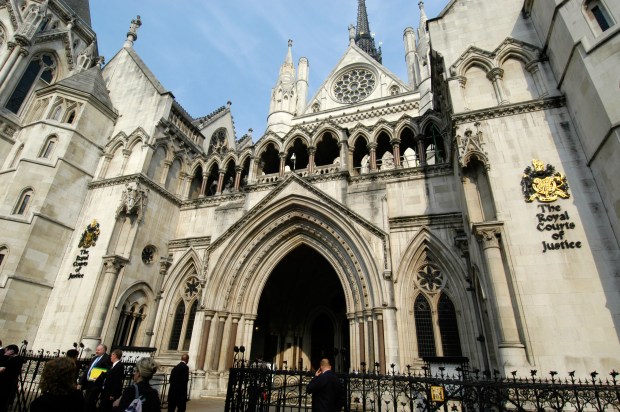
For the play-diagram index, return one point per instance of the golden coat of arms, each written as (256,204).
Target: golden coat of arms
(90,235)
(543,183)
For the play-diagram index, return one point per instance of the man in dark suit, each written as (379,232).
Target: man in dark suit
(326,389)
(88,381)
(113,382)
(10,369)
(177,394)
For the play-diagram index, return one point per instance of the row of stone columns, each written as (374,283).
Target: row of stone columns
(221,332)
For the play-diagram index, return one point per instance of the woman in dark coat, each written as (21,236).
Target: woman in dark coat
(144,370)
(57,384)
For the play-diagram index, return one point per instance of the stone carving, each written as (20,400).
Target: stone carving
(133,201)
(32,21)
(471,145)
(90,236)
(409,158)
(430,278)
(387,161)
(192,287)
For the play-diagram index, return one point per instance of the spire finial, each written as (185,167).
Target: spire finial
(423,17)
(363,36)
(132,34)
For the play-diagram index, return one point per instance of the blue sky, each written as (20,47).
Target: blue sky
(207,52)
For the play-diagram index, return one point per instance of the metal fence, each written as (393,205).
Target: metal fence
(260,389)
(28,384)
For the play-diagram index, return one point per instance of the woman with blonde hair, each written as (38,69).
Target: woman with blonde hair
(58,388)
(143,372)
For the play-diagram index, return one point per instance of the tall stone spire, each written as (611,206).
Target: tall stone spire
(283,96)
(363,36)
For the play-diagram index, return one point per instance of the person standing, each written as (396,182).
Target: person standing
(10,369)
(88,381)
(58,390)
(326,389)
(143,372)
(179,377)
(113,383)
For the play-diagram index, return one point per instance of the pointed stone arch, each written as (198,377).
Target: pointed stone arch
(246,261)
(443,273)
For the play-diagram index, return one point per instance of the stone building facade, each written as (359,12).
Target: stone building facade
(469,210)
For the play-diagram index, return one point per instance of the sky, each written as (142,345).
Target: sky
(208,52)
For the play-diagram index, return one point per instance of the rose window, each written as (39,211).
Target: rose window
(192,286)
(354,85)
(429,277)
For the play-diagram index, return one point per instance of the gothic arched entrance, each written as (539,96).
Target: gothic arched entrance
(302,314)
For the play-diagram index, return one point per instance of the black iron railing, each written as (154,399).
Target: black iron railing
(28,384)
(255,388)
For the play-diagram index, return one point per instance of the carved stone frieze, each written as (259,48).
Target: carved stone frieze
(470,144)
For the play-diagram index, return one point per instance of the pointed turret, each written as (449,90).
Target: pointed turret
(284,96)
(423,63)
(363,36)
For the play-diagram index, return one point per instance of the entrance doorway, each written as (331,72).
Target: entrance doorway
(302,314)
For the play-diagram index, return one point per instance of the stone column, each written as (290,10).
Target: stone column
(164,171)
(112,266)
(203,186)
(238,170)
(311,154)
(421,151)
(8,62)
(534,68)
(362,339)
(396,152)
(107,158)
(282,164)
(220,183)
(233,339)
(344,154)
(204,339)
(219,336)
(164,265)
(370,336)
(252,172)
(12,68)
(381,340)
(248,334)
(495,76)
(511,349)
(372,148)
(126,154)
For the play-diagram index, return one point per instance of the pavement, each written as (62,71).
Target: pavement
(206,405)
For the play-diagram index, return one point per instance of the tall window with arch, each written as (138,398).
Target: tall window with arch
(39,73)
(48,147)
(434,152)
(436,322)
(184,316)
(23,203)
(129,323)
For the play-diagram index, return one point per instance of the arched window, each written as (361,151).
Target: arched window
(424,327)
(218,142)
(40,72)
(18,153)
(4,254)
(448,328)
(24,202)
(48,147)
(70,118)
(434,152)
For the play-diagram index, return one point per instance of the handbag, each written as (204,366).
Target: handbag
(136,404)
